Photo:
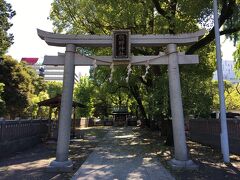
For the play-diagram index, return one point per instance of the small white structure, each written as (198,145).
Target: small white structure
(124,41)
(51,73)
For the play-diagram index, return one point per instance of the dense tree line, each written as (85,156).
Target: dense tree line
(150,96)
(21,88)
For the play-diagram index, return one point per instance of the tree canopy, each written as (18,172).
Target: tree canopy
(20,83)
(236,56)
(6,13)
(150,95)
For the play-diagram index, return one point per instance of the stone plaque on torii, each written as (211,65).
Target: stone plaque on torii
(121,42)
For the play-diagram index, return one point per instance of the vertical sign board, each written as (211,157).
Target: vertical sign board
(121,45)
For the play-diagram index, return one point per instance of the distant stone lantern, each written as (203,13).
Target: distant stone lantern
(121,45)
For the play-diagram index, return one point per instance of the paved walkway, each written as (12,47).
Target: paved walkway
(121,156)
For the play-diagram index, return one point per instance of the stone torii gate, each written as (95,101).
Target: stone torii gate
(70,59)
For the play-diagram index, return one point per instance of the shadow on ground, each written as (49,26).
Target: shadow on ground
(122,155)
(32,163)
(210,160)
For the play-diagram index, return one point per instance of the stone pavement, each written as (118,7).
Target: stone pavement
(121,156)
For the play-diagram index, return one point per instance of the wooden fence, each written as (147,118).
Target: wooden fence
(17,129)
(17,135)
(207,131)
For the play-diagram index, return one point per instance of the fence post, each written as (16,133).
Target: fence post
(1,128)
(3,122)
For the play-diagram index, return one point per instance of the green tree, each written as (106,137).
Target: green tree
(110,94)
(228,19)
(151,17)
(236,56)
(53,88)
(232,96)
(6,39)
(18,86)
(33,108)
(83,93)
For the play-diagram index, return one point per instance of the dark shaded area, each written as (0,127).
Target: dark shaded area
(210,160)
(228,115)
(207,131)
(32,163)
(148,142)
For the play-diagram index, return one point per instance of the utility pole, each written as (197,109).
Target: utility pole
(224,131)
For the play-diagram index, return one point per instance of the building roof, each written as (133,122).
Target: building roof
(30,61)
(56,102)
(120,110)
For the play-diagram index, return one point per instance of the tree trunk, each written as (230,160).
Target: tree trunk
(169,140)
(134,91)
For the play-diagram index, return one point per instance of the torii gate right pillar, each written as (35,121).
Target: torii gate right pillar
(181,159)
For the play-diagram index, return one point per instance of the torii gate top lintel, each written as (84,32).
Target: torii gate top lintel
(62,40)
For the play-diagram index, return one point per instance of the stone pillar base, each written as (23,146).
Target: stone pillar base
(188,164)
(56,166)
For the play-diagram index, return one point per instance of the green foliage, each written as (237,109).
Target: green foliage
(1,88)
(150,96)
(233,22)
(18,87)
(6,13)
(236,56)
(83,92)
(32,109)
(95,16)
(196,84)
(111,94)
(232,96)
(21,88)
(53,88)
(42,90)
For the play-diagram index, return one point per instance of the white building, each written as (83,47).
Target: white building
(228,72)
(49,73)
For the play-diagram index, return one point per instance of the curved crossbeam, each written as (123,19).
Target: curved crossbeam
(62,40)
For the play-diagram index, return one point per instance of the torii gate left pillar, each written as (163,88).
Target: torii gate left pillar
(172,58)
